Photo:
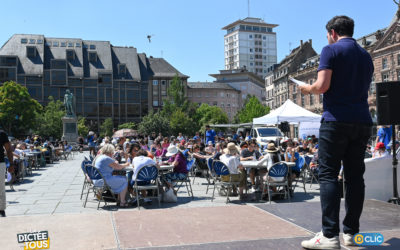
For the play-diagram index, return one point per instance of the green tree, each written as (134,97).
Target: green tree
(252,108)
(207,114)
(106,128)
(181,123)
(130,125)
(49,123)
(154,122)
(83,130)
(176,99)
(18,110)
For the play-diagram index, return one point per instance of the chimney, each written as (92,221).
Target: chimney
(301,43)
(310,41)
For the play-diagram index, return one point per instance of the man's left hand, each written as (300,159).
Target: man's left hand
(305,89)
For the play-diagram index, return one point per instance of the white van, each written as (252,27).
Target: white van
(263,135)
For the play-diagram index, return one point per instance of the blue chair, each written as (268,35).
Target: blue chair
(188,185)
(149,176)
(99,186)
(86,182)
(277,176)
(300,163)
(309,173)
(220,169)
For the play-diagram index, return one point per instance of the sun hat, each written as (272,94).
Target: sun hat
(271,148)
(231,149)
(172,150)
(210,143)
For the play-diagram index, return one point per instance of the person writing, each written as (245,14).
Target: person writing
(344,76)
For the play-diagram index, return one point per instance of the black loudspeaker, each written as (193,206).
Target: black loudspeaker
(388,102)
(284,127)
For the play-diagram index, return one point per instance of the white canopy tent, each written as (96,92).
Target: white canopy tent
(292,113)
(288,112)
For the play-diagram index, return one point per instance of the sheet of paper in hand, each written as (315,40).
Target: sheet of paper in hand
(297,81)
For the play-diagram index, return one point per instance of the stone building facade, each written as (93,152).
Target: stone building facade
(215,94)
(286,67)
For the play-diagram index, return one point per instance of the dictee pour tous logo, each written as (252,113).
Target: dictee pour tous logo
(34,240)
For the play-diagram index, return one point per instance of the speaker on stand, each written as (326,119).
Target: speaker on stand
(387,101)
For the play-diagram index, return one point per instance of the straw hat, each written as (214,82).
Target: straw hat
(172,150)
(271,148)
(231,149)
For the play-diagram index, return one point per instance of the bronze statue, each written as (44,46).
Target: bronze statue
(69,103)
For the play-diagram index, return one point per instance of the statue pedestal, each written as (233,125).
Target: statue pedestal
(70,128)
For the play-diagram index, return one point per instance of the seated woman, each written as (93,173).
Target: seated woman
(237,173)
(178,160)
(200,157)
(106,165)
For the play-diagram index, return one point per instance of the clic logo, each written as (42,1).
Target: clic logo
(368,239)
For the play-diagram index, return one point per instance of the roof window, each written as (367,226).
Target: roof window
(24,40)
(92,46)
(92,57)
(31,51)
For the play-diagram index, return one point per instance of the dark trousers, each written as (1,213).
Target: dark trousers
(342,142)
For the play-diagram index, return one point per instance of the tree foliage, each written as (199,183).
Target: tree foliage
(106,128)
(206,114)
(130,125)
(252,108)
(18,110)
(83,130)
(181,123)
(49,123)
(154,122)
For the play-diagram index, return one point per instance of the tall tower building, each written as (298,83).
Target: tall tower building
(251,44)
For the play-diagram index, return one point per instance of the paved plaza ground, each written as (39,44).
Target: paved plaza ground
(49,200)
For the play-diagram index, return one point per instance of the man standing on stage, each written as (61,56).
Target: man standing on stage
(344,76)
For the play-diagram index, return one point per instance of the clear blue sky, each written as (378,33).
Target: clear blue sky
(187,32)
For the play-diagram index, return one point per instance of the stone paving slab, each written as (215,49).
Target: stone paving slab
(66,231)
(186,226)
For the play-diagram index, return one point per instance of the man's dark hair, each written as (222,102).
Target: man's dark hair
(132,146)
(343,25)
(141,152)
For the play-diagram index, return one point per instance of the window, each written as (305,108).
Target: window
(311,99)
(398,59)
(90,94)
(70,45)
(24,40)
(302,100)
(105,78)
(92,46)
(32,41)
(70,54)
(59,77)
(63,44)
(30,51)
(398,77)
(163,87)
(385,77)
(39,41)
(7,74)
(250,36)
(121,69)
(155,103)
(78,45)
(222,95)
(384,63)
(55,44)
(58,64)
(92,57)
(251,50)
(10,61)
(155,82)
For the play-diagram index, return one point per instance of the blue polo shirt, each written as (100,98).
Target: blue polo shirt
(352,69)
(210,136)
